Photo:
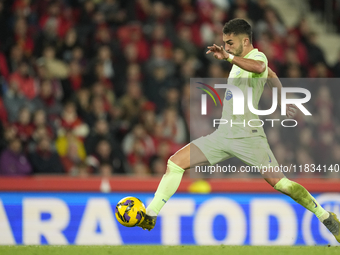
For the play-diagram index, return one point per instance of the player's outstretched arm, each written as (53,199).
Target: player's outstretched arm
(250,65)
(274,81)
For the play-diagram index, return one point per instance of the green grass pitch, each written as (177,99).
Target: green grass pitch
(168,250)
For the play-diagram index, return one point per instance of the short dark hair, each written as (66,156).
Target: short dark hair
(237,27)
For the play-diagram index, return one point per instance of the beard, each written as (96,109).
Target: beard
(239,51)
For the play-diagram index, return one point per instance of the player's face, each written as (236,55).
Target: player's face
(233,44)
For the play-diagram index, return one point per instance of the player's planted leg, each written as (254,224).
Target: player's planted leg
(177,164)
(299,194)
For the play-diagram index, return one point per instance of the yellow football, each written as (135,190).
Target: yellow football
(130,211)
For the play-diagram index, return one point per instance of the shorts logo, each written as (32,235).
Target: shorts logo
(270,160)
(229,95)
(163,200)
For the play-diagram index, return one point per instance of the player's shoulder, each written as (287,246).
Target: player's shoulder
(257,55)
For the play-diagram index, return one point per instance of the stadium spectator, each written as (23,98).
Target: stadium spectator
(141,170)
(292,42)
(81,170)
(22,37)
(156,85)
(106,170)
(46,99)
(44,159)
(97,111)
(132,102)
(148,117)
(131,38)
(69,43)
(100,131)
(157,167)
(70,149)
(43,74)
(126,74)
(159,36)
(23,126)
(159,59)
(104,153)
(82,99)
(315,54)
(55,67)
(113,12)
(69,121)
(41,126)
(138,144)
(73,82)
(56,14)
(185,41)
(24,80)
(13,161)
(173,125)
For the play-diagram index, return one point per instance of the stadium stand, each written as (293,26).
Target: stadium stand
(102,87)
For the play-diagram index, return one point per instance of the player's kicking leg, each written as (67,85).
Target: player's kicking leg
(299,194)
(187,157)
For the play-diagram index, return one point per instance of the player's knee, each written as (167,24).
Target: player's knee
(283,185)
(272,181)
(178,160)
(173,158)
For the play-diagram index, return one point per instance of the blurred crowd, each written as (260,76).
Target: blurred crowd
(327,10)
(102,87)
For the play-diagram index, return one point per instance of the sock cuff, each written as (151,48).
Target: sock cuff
(323,216)
(284,182)
(175,168)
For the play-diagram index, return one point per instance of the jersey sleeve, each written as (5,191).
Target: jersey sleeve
(260,57)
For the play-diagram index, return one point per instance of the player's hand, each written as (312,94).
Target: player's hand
(291,110)
(218,51)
